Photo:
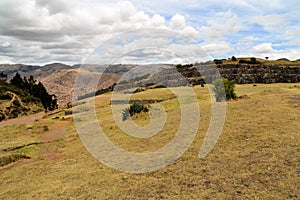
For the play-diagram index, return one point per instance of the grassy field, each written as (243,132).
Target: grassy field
(256,157)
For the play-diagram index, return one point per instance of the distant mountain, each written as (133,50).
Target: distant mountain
(59,78)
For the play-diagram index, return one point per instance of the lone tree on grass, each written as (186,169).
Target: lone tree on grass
(224,89)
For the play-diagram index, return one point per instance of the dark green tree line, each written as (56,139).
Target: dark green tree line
(35,89)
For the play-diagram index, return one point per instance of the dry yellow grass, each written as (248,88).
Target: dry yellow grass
(256,157)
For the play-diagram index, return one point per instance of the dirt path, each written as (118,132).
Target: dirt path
(23,119)
(14,97)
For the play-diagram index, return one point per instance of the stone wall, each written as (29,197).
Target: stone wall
(257,73)
(243,73)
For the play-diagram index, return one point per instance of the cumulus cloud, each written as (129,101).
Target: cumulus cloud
(55,6)
(264,48)
(158,21)
(267,50)
(177,21)
(223,23)
(190,32)
(43,31)
(59,27)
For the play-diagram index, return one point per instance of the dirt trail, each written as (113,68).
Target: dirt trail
(23,120)
(14,97)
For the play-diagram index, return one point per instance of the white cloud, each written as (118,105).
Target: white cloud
(177,21)
(264,48)
(38,31)
(158,21)
(218,49)
(190,32)
(4,44)
(273,22)
(267,50)
(55,6)
(223,23)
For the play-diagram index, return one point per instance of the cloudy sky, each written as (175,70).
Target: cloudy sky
(45,31)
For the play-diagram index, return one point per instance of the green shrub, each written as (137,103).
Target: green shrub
(16,103)
(28,99)
(251,61)
(135,108)
(6,160)
(216,61)
(224,89)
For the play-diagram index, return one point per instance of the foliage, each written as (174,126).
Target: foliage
(3,77)
(135,108)
(16,103)
(8,87)
(224,89)
(5,160)
(216,61)
(37,90)
(233,58)
(251,61)
(180,66)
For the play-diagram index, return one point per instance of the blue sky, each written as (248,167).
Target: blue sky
(42,31)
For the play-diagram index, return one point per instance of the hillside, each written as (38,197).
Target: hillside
(59,78)
(15,103)
(256,156)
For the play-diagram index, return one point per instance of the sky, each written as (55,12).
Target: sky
(74,31)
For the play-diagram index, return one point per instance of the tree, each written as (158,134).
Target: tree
(3,77)
(224,89)
(17,81)
(37,90)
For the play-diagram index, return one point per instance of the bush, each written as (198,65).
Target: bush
(251,61)
(16,103)
(6,160)
(28,99)
(217,62)
(224,89)
(135,108)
